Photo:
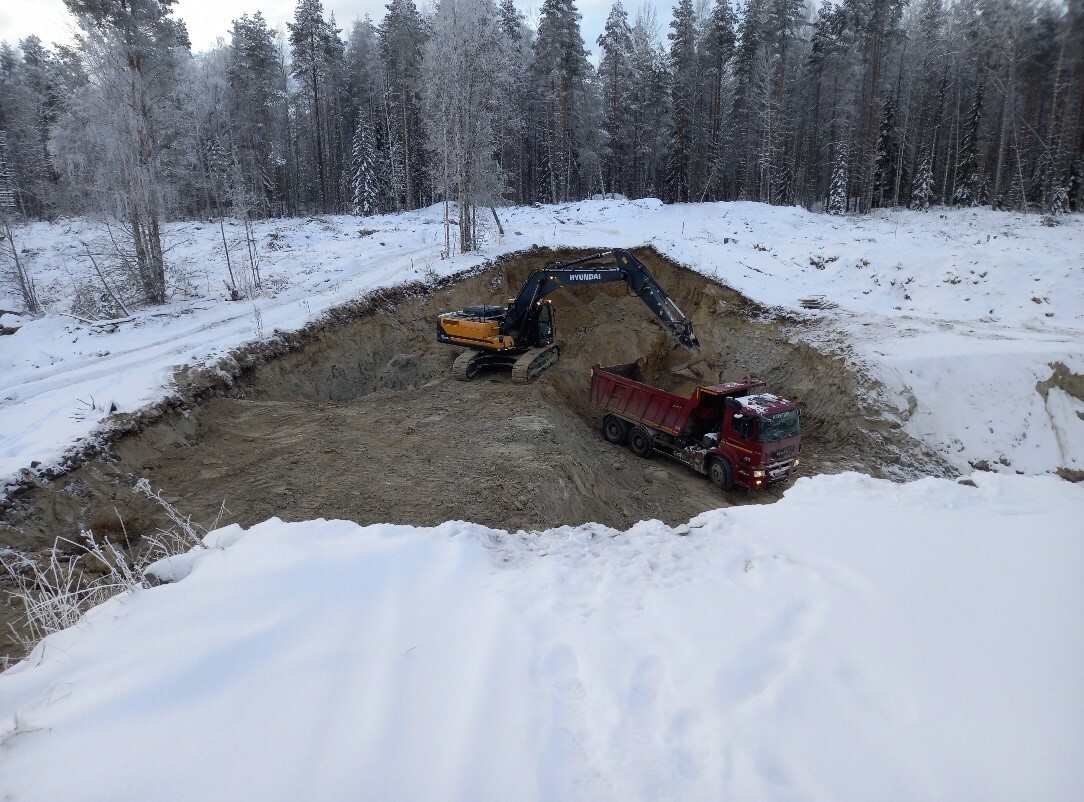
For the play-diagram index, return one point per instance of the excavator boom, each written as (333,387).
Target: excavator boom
(627,268)
(510,336)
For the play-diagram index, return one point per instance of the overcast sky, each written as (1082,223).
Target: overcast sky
(208,20)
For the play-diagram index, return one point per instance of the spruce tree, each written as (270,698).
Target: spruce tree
(885,163)
(616,76)
(364,181)
(513,133)
(966,191)
(317,53)
(717,50)
(561,70)
(364,80)
(838,189)
(684,98)
(256,108)
(402,39)
(650,108)
(922,195)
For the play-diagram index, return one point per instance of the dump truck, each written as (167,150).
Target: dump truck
(732,433)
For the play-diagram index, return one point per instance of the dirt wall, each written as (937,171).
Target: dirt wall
(357,418)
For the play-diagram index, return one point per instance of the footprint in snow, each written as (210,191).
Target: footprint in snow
(645,686)
(560,668)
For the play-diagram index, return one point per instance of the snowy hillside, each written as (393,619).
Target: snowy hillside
(856,640)
(960,313)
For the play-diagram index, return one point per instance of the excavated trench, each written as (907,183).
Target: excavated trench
(362,422)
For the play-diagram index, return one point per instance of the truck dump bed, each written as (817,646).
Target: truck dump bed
(620,389)
(617,389)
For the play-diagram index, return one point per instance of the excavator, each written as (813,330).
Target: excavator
(521,334)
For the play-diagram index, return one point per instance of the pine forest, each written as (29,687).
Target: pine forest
(840,106)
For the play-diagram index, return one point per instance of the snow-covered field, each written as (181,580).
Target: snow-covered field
(856,640)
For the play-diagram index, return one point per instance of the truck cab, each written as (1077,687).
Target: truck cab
(760,434)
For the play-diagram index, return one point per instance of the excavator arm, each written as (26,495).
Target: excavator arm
(521,335)
(522,312)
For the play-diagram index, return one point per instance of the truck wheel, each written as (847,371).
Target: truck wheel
(640,442)
(721,474)
(614,429)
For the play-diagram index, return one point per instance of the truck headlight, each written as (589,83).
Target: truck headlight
(796,462)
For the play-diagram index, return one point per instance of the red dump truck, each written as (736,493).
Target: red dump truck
(734,436)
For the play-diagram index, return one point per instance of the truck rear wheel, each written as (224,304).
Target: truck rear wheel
(721,474)
(640,442)
(614,429)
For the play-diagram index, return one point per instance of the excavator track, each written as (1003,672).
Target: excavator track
(464,367)
(534,362)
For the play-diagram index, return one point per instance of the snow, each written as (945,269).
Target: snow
(857,639)
(761,403)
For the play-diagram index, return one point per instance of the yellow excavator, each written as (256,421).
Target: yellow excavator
(521,334)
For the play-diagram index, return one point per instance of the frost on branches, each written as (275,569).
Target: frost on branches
(837,192)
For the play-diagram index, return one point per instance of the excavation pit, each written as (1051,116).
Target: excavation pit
(363,422)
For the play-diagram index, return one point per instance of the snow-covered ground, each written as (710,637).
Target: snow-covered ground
(856,640)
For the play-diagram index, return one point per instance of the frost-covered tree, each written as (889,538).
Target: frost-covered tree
(514,133)
(465,79)
(34,88)
(364,78)
(837,191)
(684,94)
(876,35)
(716,52)
(887,160)
(13,269)
(562,72)
(1059,199)
(257,112)
(617,78)
(968,179)
(402,40)
(317,53)
(650,106)
(923,193)
(117,134)
(8,187)
(364,181)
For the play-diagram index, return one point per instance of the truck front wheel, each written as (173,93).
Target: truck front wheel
(640,442)
(614,429)
(721,474)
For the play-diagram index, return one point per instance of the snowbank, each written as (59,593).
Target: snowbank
(857,640)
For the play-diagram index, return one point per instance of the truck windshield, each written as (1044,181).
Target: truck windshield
(778,426)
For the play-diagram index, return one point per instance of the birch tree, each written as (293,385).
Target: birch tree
(118,136)
(464,83)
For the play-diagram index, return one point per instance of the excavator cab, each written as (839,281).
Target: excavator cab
(546,326)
